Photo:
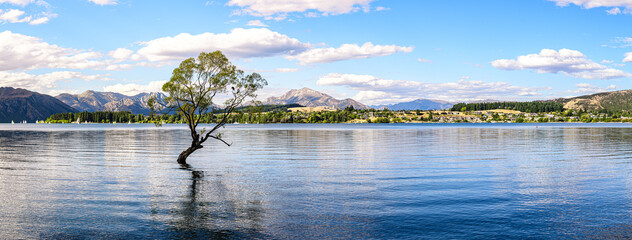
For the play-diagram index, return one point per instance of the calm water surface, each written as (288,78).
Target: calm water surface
(392,181)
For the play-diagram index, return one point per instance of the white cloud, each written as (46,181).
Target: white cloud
(57,92)
(588,4)
(17,2)
(121,53)
(279,9)
(26,52)
(156,64)
(609,73)
(250,43)
(424,60)
(585,88)
(374,90)
(117,67)
(606,61)
(286,70)
(239,43)
(13,16)
(619,42)
(17,16)
(41,82)
(133,89)
(345,52)
(41,2)
(381,9)
(624,41)
(39,21)
(570,62)
(628,57)
(271,91)
(104,2)
(256,23)
(311,15)
(614,11)
(20,16)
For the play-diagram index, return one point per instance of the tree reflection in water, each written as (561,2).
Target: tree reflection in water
(208,210)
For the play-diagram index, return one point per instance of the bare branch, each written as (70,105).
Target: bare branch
(218,138)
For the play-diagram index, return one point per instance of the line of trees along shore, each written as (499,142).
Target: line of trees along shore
(339,116)
(281,115)
(97,117)
(528,107)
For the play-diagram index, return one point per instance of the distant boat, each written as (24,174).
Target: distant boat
(12,122)
(130,122)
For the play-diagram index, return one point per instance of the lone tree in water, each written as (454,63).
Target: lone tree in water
(192,88)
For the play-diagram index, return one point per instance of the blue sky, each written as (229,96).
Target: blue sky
(375,51)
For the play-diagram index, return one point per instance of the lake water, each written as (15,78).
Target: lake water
(390,181)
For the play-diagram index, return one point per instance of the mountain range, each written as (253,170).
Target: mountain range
(19,105)
(312,98)
(91,101)
(419,104)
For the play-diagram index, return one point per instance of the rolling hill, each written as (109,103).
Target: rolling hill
(613,101)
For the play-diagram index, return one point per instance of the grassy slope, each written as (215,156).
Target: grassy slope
(615,101)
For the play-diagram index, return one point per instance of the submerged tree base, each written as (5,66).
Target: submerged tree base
(182,159)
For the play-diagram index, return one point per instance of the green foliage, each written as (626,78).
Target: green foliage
(192,89)
(279,114)
(196,82)
(495,117)
(530,107)
(97,117)
(382,120)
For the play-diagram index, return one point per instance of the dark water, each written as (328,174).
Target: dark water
(408,181)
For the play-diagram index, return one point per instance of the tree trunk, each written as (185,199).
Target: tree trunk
(182,159)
